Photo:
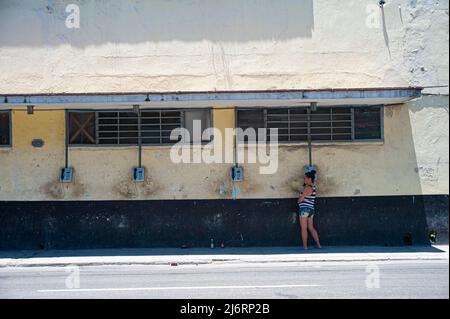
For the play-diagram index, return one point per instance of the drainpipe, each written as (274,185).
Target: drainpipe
(235,142)
(66,173)
(236,172)
(312,107)
(138,112)
(66,140)
(138,172)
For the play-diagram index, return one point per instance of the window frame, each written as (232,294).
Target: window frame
(96,111)
(381,139)
(10,142)
(352,108)
(67,127)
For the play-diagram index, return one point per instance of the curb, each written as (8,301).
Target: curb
(176,261)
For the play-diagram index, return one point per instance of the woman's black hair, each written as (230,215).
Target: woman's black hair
(311,175)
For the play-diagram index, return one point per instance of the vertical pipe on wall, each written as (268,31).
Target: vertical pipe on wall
(138,111)
(66,140)
(308,111)
(235,138)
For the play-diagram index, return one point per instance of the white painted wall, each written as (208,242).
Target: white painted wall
(429,118)
(172,45)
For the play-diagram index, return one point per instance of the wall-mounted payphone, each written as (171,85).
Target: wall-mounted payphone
(237,174)
(66,175)
(138,174)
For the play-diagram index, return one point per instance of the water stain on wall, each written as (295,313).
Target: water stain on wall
(221,185)
(326,186)
(54,189)
(224,186)
(223,189)
(388,111)
(246,186)
(57,190)
(130,190)
(296,184)
(76,190)
(149,187)
(126,189)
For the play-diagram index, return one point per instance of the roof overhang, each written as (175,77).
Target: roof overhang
(273,98)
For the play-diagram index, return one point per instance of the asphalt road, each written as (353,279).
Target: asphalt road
(389,279)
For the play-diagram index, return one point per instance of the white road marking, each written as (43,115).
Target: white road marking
(174,288)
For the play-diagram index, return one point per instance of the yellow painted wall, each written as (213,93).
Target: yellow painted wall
(32,173)
(223,118)
(47,125)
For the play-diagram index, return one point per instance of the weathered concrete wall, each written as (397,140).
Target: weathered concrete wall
(203,45)
(384,220)
(412,160)
(430,130)
(199,45)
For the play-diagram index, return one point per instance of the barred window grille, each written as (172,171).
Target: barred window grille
(157,125)
(114,127)
(325,124)
(117,128)
(5,128)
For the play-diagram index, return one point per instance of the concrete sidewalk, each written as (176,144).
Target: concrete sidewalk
(178,256)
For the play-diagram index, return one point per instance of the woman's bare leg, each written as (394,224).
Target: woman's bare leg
(304,228)
(313,232)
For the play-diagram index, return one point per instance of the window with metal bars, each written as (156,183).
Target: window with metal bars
(330,124)
(117,127)
(5,128)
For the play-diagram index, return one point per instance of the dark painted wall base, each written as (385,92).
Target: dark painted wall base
(387,220)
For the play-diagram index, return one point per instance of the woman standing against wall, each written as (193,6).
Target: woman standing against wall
(306,203)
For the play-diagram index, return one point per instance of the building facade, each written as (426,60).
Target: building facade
(98,87)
